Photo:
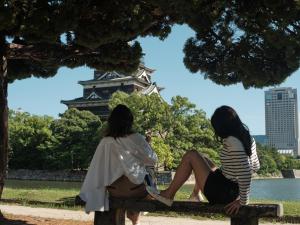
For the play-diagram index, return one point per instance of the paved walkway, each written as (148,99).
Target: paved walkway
(80,215)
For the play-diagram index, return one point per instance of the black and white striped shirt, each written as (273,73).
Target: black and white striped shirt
(237,166)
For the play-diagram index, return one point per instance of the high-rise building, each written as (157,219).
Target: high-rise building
(281,117)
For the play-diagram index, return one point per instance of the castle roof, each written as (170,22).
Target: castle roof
(142,75)
(98,90)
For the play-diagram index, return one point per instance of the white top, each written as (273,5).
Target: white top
(113,158)
(238,166)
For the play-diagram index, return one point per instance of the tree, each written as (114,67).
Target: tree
(150,115)
(253,42)
(30,139)
(177,127)
(272,162)
(163,152)
(150,111)
(37,37)
(268,165)
(77,134)
(41,142)
(189,129)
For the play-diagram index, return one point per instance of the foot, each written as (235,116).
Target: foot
(166,194)
(196,197)
(159,197)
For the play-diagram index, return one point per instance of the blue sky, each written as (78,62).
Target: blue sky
(42,96)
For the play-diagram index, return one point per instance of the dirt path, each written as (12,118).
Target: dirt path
(21,215)
(47,213)
(9,219)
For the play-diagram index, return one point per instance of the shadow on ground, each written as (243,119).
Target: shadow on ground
(67,202)
(7,221)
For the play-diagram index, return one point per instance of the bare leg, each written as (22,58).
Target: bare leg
(191,161)
(196,194)
(123,187)
(133,216)
(196,189)
(210,163)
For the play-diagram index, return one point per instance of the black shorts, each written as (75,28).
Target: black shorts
(220,190)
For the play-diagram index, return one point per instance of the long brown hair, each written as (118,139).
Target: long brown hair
(119,122)
(226,122)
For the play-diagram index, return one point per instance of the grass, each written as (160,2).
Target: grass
(41,193)
(54,194)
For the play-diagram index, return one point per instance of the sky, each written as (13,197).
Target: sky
(43,96)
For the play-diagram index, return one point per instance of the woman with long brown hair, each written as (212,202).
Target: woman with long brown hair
(229,184)
(119,165)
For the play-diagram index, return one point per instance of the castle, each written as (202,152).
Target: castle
(98,91)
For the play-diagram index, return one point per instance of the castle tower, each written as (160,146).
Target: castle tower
(98,91)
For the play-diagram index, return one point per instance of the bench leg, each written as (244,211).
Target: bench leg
(111,217)
(244,221)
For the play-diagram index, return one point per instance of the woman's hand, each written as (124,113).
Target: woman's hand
(233,207)
(149,136)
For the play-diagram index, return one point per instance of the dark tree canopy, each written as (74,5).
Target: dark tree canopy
(44,35)
(253,42)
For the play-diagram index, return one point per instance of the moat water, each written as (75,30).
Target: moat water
(277,189)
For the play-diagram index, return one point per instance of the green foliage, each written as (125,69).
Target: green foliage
(163,152)
(253,42)
(40,142)
(77,134)
(149,111)
(100,34)
(30,137)
(268,164)
(272,162)
(189,128)
(179,127)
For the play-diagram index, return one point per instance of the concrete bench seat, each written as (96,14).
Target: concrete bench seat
(248,215)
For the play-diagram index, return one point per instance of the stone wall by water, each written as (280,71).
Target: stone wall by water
(291,173)
(163,177)
(59,175)
(297,173)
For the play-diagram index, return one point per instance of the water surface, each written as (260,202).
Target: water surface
(277,189)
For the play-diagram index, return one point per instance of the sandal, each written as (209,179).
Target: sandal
(155,194)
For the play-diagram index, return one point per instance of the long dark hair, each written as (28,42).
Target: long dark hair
(119,123)
(226,122)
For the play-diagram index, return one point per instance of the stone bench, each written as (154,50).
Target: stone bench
(248,215)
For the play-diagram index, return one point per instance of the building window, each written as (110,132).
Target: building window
(279,96)
(269,96)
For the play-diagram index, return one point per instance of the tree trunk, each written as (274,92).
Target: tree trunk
(3,114)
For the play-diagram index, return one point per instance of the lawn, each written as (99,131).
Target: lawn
(61,195)
(41,193)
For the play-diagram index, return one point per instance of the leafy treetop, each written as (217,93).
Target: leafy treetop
(254,42)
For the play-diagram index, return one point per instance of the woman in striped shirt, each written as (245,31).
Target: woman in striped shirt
(229,184)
